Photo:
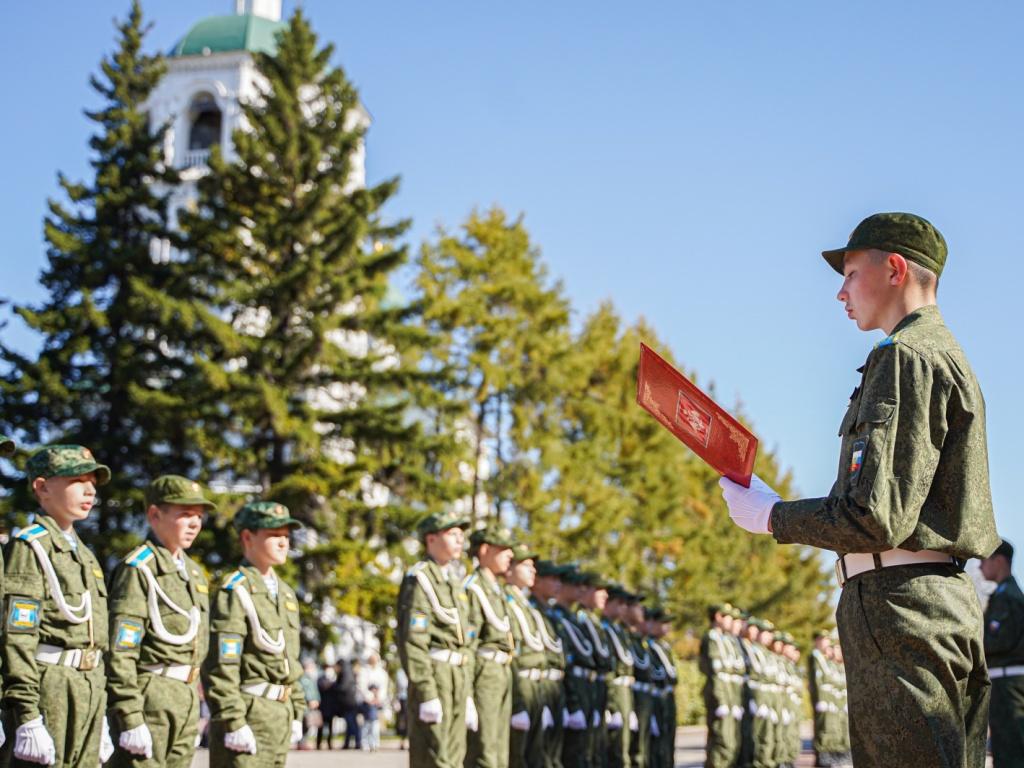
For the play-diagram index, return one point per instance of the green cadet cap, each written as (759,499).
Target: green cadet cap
(914,238)
(6,446)
(264,514)
(441,521)
(65,461)
(521,552)
(175,489)
(546,568)
(495,535)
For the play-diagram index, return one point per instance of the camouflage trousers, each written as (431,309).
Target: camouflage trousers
(171,712)
(488,746)
(271,723)
(439,745)
(1006,719)
(915,668)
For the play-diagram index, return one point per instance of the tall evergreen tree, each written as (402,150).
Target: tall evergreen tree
(102,376)
(312,389)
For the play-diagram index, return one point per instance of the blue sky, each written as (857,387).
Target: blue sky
(688,160)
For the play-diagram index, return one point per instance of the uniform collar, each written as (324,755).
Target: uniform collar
(165,562)
(255,578)
(926,315)
(60,542)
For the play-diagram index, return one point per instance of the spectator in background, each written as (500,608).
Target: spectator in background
(349,703)
(401,707)
(313,718)
(329,704)
(372,681)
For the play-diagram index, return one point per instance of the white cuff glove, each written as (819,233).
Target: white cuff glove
(577,721)
(430,711)
(722,710)
(821,706)
(3,736)
(521,721)
(547,720)
(296,732)
(32,742)
(614,721)
(137,740)
(472,718)
(750,508)
(242,740)
(655,730)
(737,712)
(634,722)
(106,745)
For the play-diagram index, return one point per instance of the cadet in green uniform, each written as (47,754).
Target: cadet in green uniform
(721,749)
(818,682)
(660,626)
(1004,651)
(526,742)
(543,601)
(55,631)
(251,674)
(760,704)
(491,691)
(592,598)
(433,644)
(620,679)
(579,672)
(7,448)
(910,505)
(159,632)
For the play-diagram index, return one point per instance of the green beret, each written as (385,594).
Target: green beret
(264,514)
(65,461)
(441,521)
(6,446)
(495,535)
(175,489)
(912,237)
(521,552)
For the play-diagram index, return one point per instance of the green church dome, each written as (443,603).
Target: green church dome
(219,34)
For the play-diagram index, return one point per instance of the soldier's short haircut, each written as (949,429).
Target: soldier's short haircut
(923,276)
(1005,549)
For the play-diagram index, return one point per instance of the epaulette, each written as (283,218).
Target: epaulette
(232,580)
(416,568)
(466,582)
(142,554)
(32,532)
(888,341)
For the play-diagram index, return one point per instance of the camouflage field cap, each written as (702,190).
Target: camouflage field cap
(441,521)
(495,535)
(821,633)
(617,592)
(546,568)
(521,552)
(175,489)
(6,446)
(65,461)
(264,514)
(914,238)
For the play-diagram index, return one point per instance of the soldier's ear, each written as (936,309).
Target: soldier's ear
(39,486)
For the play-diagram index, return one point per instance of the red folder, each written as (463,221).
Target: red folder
(694,418)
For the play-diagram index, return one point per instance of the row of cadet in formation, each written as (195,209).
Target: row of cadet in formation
(96,672)
(753,694)
(523,662)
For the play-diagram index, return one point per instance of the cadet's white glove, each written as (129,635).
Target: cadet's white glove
(655,730)
(430,711)
(32,742)
(137,740)
(596,719)
(821,706)
(296,732)
(750,508)
(106,744)
(614,721)
(242,740)
(722,710)
(634,723)
(521,721)
(472,718)
(737,712)
(565,718)
(547,720)
(577,721)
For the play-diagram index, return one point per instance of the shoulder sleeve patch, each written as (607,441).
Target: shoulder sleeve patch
(128,634)
(140,555)
(232,580)
(229,648)
(416,568)
(31,533)
(22,615)
(419,622)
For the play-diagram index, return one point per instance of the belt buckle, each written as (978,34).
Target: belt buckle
(286,693)
(193,675)
(89,660)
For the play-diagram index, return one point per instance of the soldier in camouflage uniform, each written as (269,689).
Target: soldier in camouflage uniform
(251,674)
(579,672)
(55,632)
(1004,651)
(910,505)
(529,723)
(159,632)
(543,601)
(7,449)
(722,745)
(842,707)
(620,679)
(592,599)
(490,694)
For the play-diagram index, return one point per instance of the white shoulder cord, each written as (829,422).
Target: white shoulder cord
(553,644)
(577,639)
(78,614)
(624,656)
(499,624)
(534,642)
(446,615)
(260,638)
(670,668)
(641,662)
(600,647)
(156,594)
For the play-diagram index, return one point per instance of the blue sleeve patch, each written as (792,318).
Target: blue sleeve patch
(888,341)
(22,615)
(419,622)
(229,648)
(128,634)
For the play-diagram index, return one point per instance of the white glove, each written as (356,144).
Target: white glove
(430,711)
(750,508)
(3,736)
(737,712)
(472,717)
(596,719)
(655,730)
(722,710)
(634,722)
(106,745)
(577,721)
(547,720)
(137,740)
(821,706)
(32,742)
(614,721)
(297,730)
(521,721)
(242,740)
(565,718)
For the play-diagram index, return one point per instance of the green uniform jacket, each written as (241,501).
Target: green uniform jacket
(235,659)
(618,638)
(32,615)
(490,626)
(134,642)
(529,642)
(424,624)
(554,649)
(597,634)
(913,466)
(1004,625)
(578,653)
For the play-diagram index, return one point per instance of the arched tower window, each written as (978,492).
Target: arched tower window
(204,122)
